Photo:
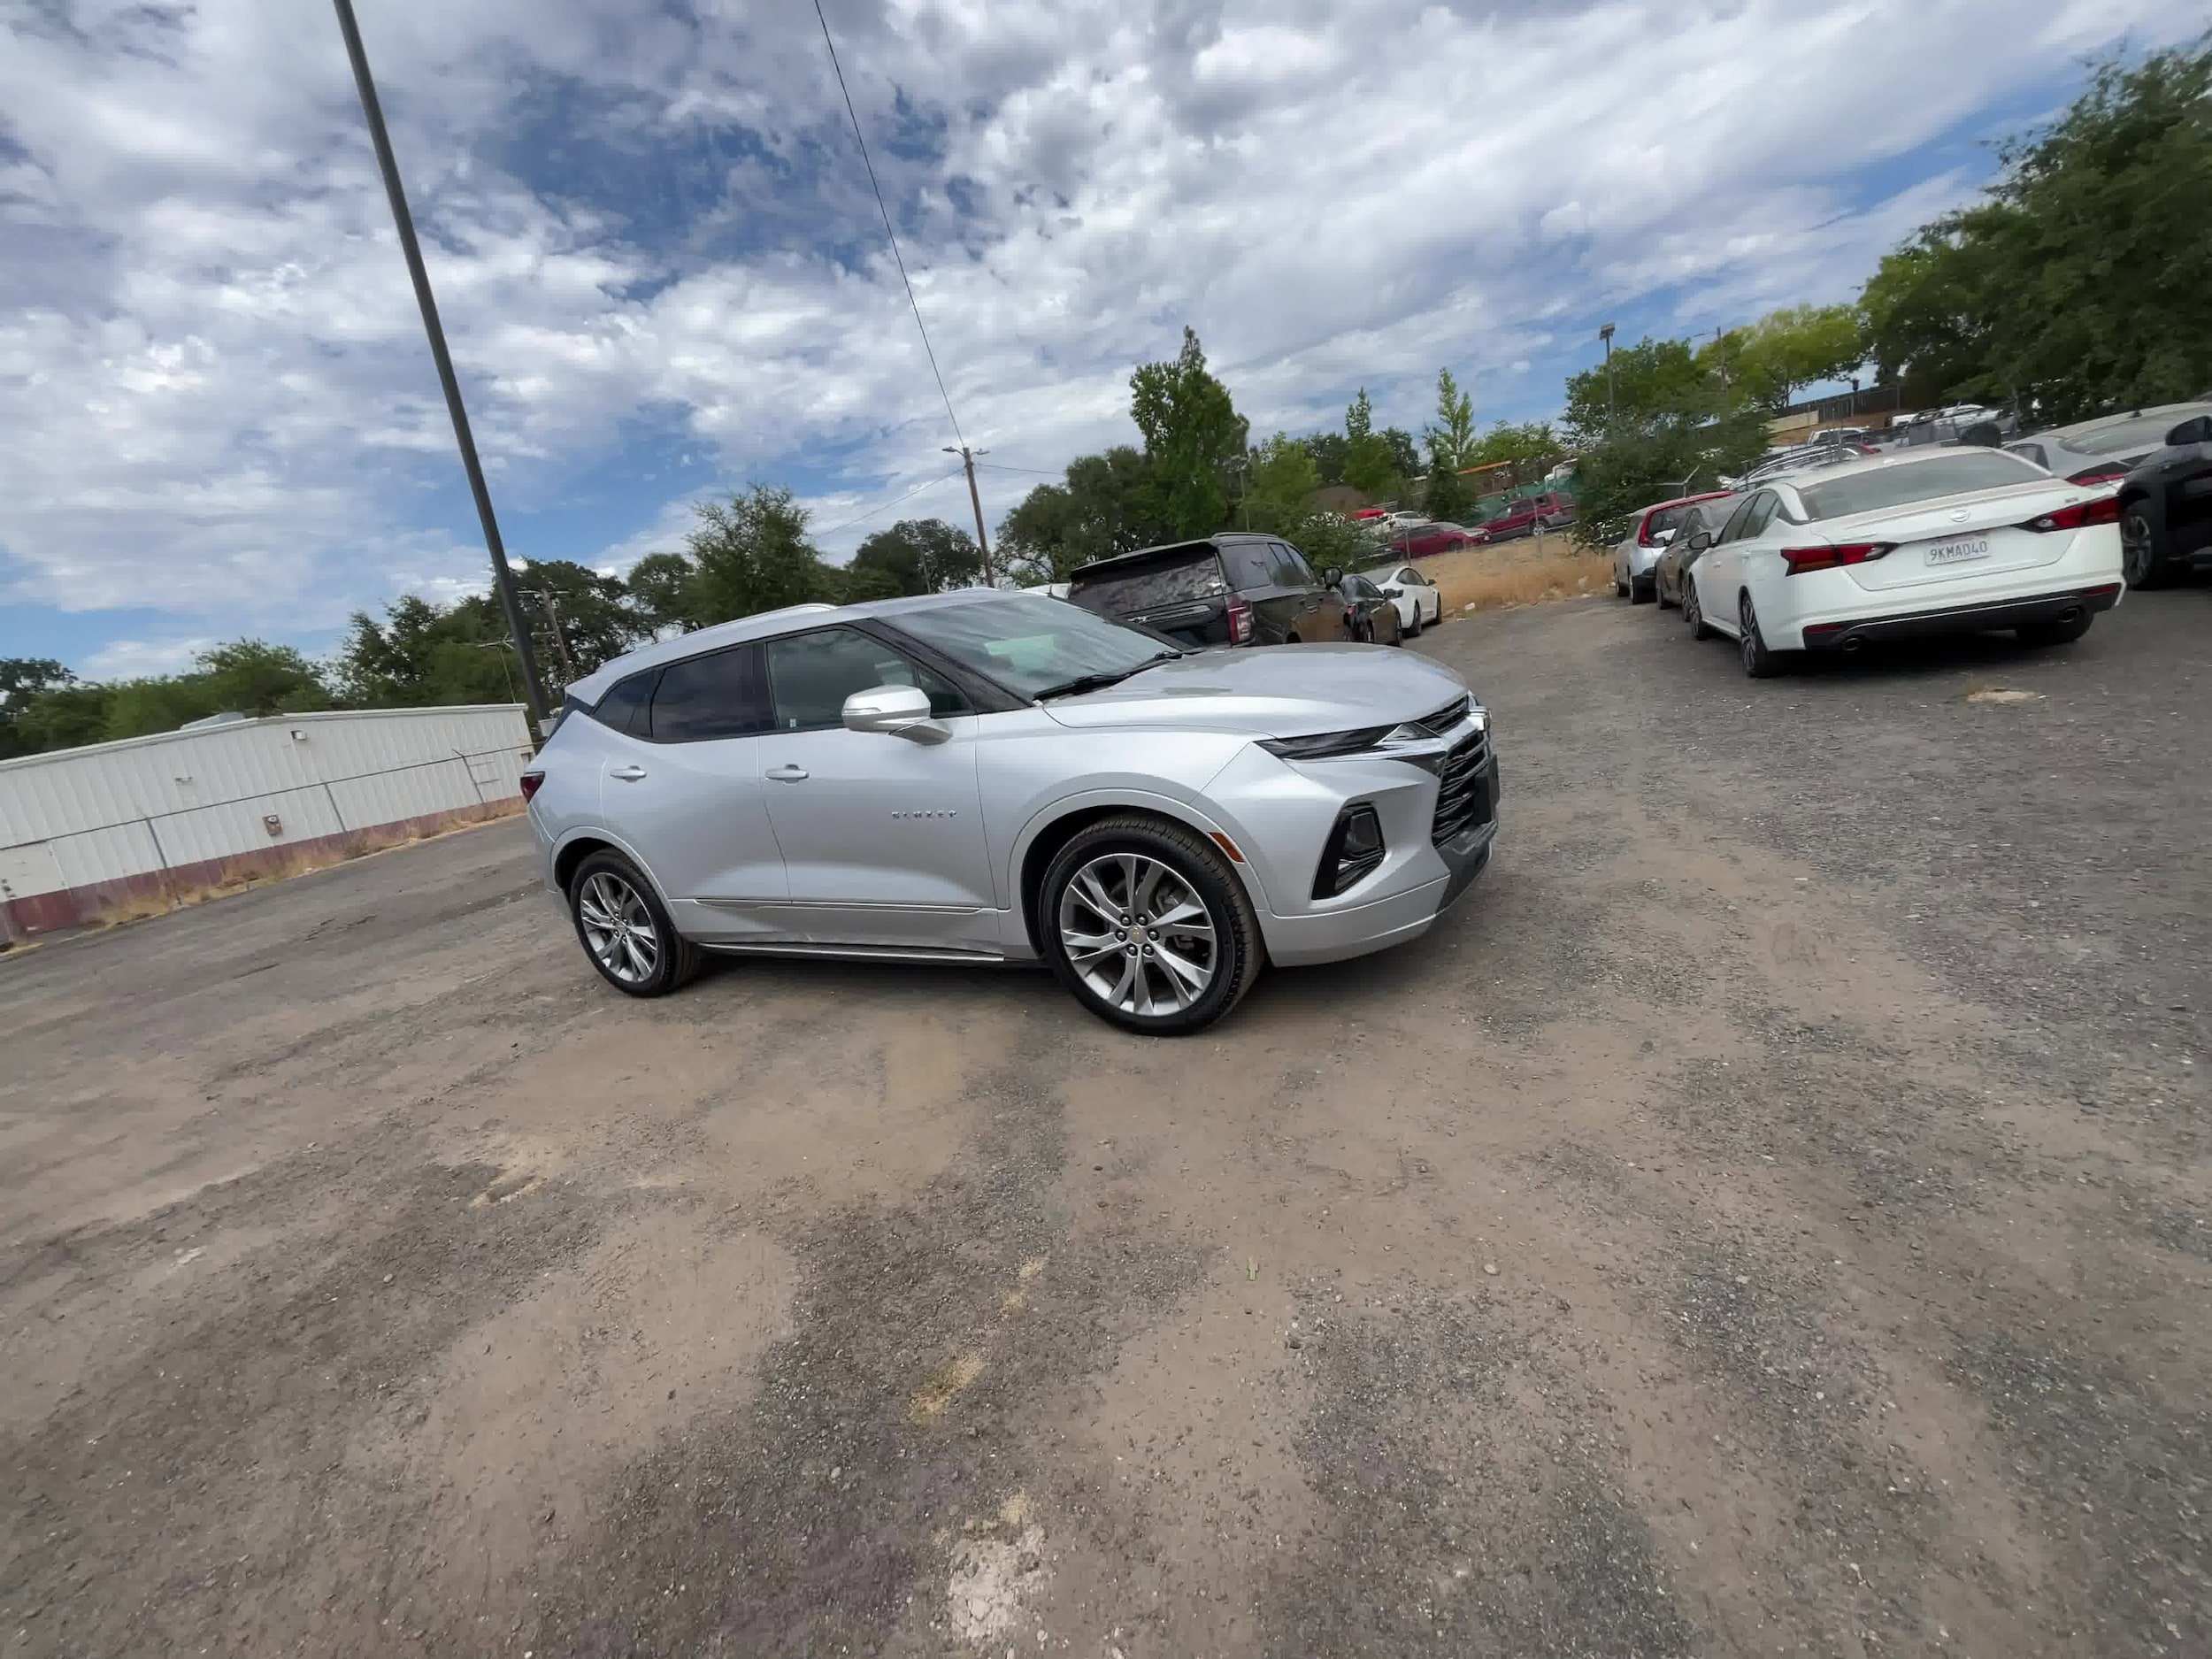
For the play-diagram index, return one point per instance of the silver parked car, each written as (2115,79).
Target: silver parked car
(997,776)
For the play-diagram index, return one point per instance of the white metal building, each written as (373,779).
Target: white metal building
(82,830)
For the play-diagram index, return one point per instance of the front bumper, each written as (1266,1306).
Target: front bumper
(1360,929)
(1919,624)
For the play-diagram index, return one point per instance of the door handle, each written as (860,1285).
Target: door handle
(786,775)
(628,774)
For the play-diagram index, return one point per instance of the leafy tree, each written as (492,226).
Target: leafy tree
(1655,381)
(421,656)
(1785,350)
(578,618)
(2078,285)
(1451,442)
(64,716)
(1531,446)
(1405,454)
(1330,451)
(1192,431)
(656,588)
(1109,503)
(1678,426)
(1283,480)
(1371,463)
(246,677)
(921,556)
(23,679)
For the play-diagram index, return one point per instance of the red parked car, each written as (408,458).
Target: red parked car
(1546,511)
(1419,541)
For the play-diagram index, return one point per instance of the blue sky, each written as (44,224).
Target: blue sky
(662,272)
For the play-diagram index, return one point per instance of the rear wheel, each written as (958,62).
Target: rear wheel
(1149,928)
(1758,661)
(2055,633)
(1413,629)
(626,930)
(2139,561)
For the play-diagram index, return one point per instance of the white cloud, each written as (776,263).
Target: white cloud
(220,402)
(133,659)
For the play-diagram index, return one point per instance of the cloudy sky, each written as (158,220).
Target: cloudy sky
(662,272)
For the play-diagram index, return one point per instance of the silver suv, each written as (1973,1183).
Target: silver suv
(992,777)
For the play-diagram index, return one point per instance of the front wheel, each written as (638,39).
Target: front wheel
(2140,564)
(1149,928)
(1412,630)
(1693,615)
(626,930)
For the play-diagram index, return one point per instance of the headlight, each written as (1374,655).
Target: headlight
(1322,745)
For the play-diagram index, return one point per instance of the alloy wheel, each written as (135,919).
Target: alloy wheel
(618,930)
(1138,935)
(2138,553)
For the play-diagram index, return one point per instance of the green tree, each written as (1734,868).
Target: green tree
(1283,478)
(1678,427)
(658,585)
(421,656)
(921,556)
(1798,346)
(1371,463)
(1451,442)
(748,553)
(64,716)
(248,677)
(2078,285)
(1654,382)
(1330,451)
(21,680)
(1531,447)
(1192,433)
(1109,504)
(578,618)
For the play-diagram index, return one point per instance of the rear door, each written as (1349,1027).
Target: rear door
(682,788)
(882,836)
(1180,592)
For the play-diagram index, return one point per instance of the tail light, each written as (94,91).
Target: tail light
(1803,559)
(2103,475)
(1643,533)
(2102,510)
(531,779)
(1239,622)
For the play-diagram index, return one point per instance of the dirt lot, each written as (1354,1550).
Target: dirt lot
(1768,1216)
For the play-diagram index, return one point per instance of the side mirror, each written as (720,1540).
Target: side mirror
(1699,542)
(1330,577)
(899,710)
(2197,429)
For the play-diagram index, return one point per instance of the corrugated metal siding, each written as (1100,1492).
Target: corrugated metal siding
(119,809)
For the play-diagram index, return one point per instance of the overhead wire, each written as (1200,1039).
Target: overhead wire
(899,258)
(884,506)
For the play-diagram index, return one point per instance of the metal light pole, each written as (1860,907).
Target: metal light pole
(503,578)
(983,543)
(1606,334)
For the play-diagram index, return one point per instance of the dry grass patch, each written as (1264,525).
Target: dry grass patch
(1517,573)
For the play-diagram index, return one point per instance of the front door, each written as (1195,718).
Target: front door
(882,836)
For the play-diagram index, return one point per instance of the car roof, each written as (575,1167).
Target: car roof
(1683,501)
(2118,417)
(1216,538)
(761,626)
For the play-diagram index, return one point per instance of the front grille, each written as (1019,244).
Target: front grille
(1463,792)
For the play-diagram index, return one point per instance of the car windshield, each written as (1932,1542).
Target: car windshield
(2125,437)
(1955,473)
(1030,644)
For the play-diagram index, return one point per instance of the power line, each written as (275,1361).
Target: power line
(887,231)
(1001,466)
(886,505)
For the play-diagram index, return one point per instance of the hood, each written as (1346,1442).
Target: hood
(1271,691)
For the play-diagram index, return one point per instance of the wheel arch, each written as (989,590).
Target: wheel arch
(581,844)
(1058,825)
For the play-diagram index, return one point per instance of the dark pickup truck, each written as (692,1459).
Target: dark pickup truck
(1227,589)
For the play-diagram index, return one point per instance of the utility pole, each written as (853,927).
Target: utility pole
(983,543)
(560,639)
(503,578)
(1606,334)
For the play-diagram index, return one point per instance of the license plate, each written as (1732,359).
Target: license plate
(1959,552)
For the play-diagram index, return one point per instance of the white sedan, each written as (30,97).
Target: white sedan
(1419,601)
(1904,546)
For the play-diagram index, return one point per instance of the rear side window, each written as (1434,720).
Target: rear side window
(1734,529)
(2030,453)
(810,675)
(1290,570)
(704,697)
(1247,565)
(627,704)
(1122,590)
(1955,473)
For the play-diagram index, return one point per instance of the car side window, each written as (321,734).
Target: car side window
(809,676)
(704,697)
(1290,570)
(1733,530)
(1247,563)
(1762,510)
(627,704)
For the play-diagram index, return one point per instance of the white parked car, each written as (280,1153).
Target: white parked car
(1419,601)
(1947,541)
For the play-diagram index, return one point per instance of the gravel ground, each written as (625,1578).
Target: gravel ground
(1768,1216)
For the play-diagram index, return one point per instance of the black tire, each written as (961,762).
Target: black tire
(1637,594)
(1622,590)
(2142,565)
(592,891)
(1758,661)
(2040,634)
(1413,632)
(1693,615)
(1234,959)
